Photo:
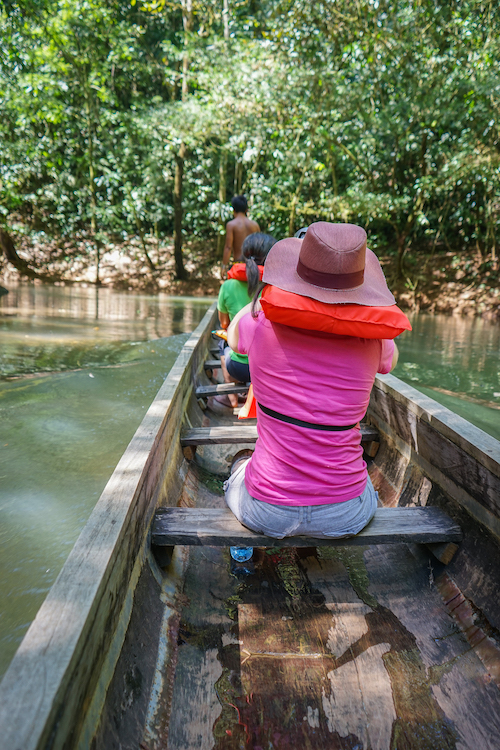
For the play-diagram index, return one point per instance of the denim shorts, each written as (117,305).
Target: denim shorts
(329,521)
(240,371)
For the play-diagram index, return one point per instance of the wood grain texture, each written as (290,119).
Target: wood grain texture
(204,391)
(458,465)
(219,527)
(353,651)
(472,439)
(398,404)
(212,364)
(461,458)
(243,434)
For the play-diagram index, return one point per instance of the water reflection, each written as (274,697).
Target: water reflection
(456,361)
(98,304)
(47,328)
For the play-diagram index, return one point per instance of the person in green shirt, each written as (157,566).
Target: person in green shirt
(233,295)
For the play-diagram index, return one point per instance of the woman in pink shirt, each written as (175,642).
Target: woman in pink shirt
(307,475)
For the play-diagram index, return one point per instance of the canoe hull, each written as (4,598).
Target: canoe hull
(97,667)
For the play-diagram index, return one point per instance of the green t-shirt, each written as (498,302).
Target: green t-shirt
(233,295)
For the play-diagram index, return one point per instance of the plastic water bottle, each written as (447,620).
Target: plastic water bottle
(241,554)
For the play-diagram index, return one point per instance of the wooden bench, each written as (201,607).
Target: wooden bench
(212,364)
(204,391)
(244,434)
(219,528)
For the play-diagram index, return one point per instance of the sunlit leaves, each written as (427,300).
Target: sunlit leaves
(384,113)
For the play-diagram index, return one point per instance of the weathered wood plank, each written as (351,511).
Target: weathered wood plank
(219,435)
(47,695)
(212,364)
(219,527)
(350,649)
(442,551)
(244,434)
(204,391)
(462,459)
(475,441)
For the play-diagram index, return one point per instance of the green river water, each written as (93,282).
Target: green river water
(87,363)
(104,355)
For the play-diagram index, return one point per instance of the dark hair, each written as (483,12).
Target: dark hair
(255,298)
(239,204)
(254,250)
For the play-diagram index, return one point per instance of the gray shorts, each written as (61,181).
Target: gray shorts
(319,521)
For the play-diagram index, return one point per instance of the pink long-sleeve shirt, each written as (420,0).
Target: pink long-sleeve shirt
(315,377)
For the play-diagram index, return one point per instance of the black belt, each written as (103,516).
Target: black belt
(301,423)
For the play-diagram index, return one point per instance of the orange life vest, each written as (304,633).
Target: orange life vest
(249,408)
(239,272)
(347,320)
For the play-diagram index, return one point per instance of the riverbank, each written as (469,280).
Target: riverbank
(447,283)
(443,282)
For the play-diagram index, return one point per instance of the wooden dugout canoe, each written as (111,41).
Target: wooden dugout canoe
(373,646)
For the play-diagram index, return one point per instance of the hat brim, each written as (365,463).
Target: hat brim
(281,270)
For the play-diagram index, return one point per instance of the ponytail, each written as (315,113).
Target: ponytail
(256,297)
(253,276)
(254,250)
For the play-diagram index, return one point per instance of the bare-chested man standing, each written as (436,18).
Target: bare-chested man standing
(237,229)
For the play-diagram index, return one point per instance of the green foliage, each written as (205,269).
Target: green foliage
(381,112)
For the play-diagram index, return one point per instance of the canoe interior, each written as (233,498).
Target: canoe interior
(347,647)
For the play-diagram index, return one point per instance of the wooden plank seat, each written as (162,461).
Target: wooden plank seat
(204,391)
(219,528)
(227,434)
(212,364)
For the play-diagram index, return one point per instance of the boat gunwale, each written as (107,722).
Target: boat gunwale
(472,439)
(55,669)
(475,491)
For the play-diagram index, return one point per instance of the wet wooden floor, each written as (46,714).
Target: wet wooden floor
(348,648)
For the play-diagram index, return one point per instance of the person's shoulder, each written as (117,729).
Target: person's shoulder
(226,286)
(232,285)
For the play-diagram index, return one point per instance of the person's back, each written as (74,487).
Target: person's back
(317,378)
(307,474)
(237,230)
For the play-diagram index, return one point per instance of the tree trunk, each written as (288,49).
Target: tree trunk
(225,15)
(401,245)
(296,196)
(8,248)
(180,271)
(138,224)
(91,174)
(222,198)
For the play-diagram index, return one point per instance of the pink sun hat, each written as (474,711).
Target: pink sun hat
(331,264)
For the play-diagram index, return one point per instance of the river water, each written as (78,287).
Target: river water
(87,363)
(103,356)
